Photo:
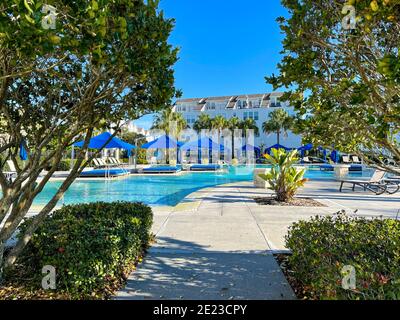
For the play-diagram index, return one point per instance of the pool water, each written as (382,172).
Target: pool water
(157,190)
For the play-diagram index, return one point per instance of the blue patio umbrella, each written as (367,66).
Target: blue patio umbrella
(335,156)
(163,142)
(305,148)
(324,151)
(276,146)
(202,143)
(23,153)
(100,141)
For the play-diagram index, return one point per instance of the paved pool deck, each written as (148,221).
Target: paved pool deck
(218,243)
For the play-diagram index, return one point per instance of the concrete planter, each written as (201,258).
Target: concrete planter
(341,171)
(259,182)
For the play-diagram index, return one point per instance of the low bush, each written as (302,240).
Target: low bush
(92,246)
(64,165)
(322,246)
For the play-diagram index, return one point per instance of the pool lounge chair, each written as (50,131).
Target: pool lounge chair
(346,160)
(205,167)
(326,167)
(306,160)
(115,162)
(103,173)
(355,167)
(393,185)
(161,169)
(103,164)
(97,164)
(375,184)
(356,159)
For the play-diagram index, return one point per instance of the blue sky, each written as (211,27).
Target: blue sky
(227,47)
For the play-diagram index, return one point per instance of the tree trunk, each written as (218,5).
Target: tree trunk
(278,134)
(233,145)
(2,247)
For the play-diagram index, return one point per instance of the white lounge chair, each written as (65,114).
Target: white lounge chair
(346,159)
(306,160)
(117,162)
(375,184)
(103,163)
(100,163)
(112,162)
(356,159)
(96,163)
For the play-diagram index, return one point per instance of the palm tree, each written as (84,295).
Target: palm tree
(233,124)
(219,123)
(279,121)
(203,122)
(163,122)
(249,124)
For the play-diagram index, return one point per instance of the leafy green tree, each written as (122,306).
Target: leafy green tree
(342,65)
(172,123)
(137,140)
(203,122)
(279,122)
(102,63)
(284,178)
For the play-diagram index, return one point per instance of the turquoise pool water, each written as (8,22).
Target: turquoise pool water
(155,190)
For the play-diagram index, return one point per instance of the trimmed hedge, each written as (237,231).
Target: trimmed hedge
(322,246)
(92,246)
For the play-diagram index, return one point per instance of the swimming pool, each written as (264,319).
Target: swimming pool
(157,190)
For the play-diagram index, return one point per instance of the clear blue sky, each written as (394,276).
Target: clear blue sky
(227,47)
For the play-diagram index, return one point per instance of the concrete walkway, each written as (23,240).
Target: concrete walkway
(218,243)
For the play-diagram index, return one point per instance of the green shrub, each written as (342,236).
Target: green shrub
(92,246)
(284,178)
(322,246)
(64,165)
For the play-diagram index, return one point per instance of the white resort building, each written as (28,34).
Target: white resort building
(255,106)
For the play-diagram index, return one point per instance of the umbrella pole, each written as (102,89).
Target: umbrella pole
(72,157)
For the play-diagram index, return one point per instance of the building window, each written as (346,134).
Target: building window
(256,115)
(251,115)
(245,115)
